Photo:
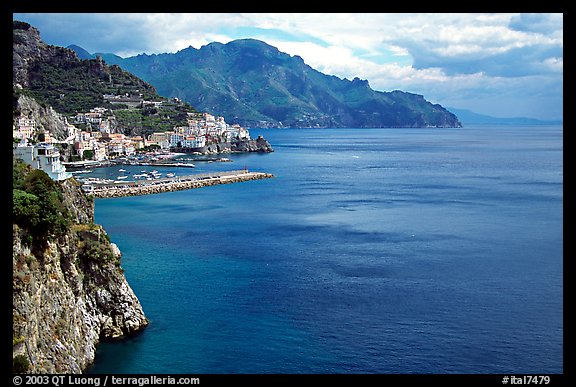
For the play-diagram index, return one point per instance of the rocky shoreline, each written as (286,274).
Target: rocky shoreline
(241,146)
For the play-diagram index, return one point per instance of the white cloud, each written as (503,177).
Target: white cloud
(398,51)
(554,64)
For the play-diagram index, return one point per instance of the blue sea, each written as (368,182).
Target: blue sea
(378,251)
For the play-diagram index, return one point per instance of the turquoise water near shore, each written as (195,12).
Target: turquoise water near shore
(371,251)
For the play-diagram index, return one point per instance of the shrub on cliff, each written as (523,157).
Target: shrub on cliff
(37,203)
(20,364)
(96,250)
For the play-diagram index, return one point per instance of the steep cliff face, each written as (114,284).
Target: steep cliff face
(46,117)
(29,48)
(55,75)
(70,293)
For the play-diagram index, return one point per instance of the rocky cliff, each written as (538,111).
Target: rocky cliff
(29,49)
(55,75)
(69,292)
(45,116)
(258,145)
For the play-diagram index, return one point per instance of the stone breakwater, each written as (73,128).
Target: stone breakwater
(174,184)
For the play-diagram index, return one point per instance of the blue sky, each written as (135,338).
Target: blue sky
(504,65)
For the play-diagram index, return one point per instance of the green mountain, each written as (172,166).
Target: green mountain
(252,83)
(58,77)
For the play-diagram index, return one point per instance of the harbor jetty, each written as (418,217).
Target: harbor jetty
(147,187)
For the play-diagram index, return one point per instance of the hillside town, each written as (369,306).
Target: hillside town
(90,136)
(98,142)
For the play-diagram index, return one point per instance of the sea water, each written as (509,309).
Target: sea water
(371,251)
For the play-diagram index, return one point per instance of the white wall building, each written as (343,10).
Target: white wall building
(99,151)
(25,128)
(176,138)
(42,156)
(115,146)
(160,138)
(194,142)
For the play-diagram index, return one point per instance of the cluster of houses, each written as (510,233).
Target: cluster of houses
(203,129)
(97,145)
(100,143)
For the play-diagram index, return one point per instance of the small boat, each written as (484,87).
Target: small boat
(121,170)
(190,165)
(170,174)
(121,177)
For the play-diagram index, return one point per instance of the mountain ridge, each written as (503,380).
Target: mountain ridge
(465,116)
(253,83)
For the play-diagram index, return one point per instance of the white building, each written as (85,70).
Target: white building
(176,138)
(161,139)
(91,117)
(115,147)
(129,149)
(25,128)
(194,142)
(42,156)
(99,151)
(104,126)
(237,132)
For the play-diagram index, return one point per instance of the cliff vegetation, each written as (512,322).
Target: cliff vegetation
(69,290)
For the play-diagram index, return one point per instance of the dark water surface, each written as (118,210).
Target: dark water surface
(371,251)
